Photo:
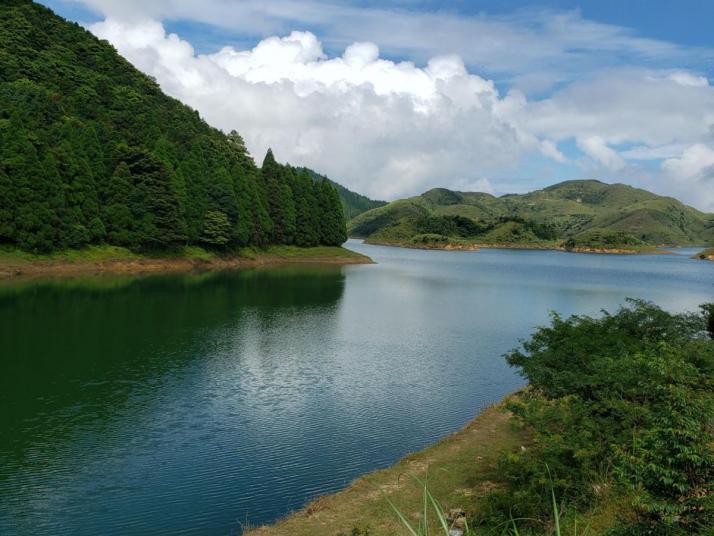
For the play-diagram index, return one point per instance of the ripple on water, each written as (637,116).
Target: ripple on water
(237,397)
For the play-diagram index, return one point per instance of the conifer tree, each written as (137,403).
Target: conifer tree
(281,207)
(221,194)
(7,225)
(116,214)
(332,223)
(307,214)
(154,203)
(35,188)
(262,224)
(216,228)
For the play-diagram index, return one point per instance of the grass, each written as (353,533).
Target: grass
(115,259)
(432,508)
(104,253)
(462,468)
(100,253)
(298,252)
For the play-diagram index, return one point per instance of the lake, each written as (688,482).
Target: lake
(196,403)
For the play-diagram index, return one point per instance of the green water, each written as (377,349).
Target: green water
(191,404)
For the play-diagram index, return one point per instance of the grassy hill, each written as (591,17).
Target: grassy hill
(571,214)
(353,203)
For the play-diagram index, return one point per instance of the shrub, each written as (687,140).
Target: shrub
(624,400)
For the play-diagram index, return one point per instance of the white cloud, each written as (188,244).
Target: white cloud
(596,148)
(684,78)
(479,185)
(692,175)
(550,149)
(643,152)
(390,129)
(693,162)
(386,129)
(625,105)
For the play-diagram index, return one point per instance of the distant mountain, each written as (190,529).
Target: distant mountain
(572,214)
(353,203)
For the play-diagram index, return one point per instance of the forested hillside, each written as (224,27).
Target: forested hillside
(91,151)
(353,203)
(571,214)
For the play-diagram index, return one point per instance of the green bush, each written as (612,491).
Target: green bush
(430,238)
(603,239)
(620,403)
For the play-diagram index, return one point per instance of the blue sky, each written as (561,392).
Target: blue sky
(687,22)
(501,95)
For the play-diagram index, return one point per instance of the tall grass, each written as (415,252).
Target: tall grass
(429,503)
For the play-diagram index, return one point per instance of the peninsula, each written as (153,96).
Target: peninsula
(581,215)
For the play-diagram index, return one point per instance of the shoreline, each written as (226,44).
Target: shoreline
(37,266)
(455,246)
(362,505)
(706,255)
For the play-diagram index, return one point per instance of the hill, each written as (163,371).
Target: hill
(585,214)
(92,152)
(353,203)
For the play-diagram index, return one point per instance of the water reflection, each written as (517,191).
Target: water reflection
(187,404)
(88,364)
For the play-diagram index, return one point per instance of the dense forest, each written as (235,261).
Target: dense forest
(353,203)
(91,151)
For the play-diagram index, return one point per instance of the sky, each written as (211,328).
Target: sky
(392,98)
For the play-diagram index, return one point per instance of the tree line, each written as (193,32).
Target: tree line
(91,151)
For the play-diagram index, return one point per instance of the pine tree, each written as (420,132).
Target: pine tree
(281,207)
(339,229)
(221,194)
(193,173)
(7,218)
(307,216)
(35,188)
(116,214)
(154,202)
(333,230)
(238,146)
(262,224)
(216,228)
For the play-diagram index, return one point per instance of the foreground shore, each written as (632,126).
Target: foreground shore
(461,468)
(111,259)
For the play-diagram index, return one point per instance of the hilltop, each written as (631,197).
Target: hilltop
(578,214)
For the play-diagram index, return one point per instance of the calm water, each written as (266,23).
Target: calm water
(189,404)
